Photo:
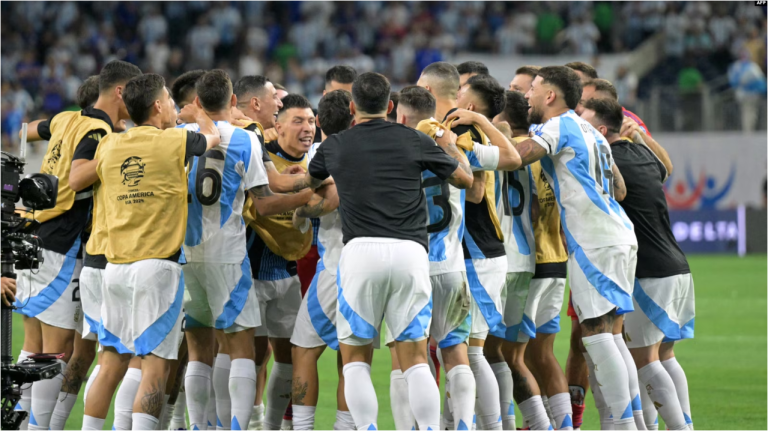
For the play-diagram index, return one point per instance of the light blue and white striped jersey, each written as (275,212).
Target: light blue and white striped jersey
(218,181)
(514,191)
(329,236)
(445,213)
(579,169)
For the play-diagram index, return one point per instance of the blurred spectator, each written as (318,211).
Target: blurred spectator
(748,80)
(626,87)
(547,28)
(201,42)
(689,85)
(153,26)
(581,37)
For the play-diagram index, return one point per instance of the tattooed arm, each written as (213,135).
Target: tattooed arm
(266,203)
(462,177)
(320,204)
(619,187)
(530,151)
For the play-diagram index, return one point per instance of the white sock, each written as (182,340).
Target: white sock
(424,396)
(210,408)
(143,421)
(44,396)
(62,410)
(634,388)
(611,374)
(25,403)
(462,395)
(606,422)
(360,395)
(506,386)
(487,405)
(534,413)
(165,419)
(677,374)
(447,415)
(278,394)
(92,423)
(344,421)
(650,414)
(242,391)
(545,401)
(398,400)
(91,379)
(661,389)
(304,417)
(179,418)
(560,405)
(221,388)
(257,416)
(197,390)
(124,399)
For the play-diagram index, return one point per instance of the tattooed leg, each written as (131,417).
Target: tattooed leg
(150,397)
(305,380)
(78,366)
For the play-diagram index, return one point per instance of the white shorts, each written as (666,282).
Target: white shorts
(279,303)
(515,297)
(141,312)
(382,278)
(52,293)
(545,300)
(486,282)
(219,295)
(664,311)
(91,284)
(316,322)
(601,280)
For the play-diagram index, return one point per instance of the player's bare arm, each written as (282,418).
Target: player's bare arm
(191,113)
(632,130)
(266,203)
(619,186)
(477,191)
(83,174)
(306,181)
(286,181)
(462,177)
(530,151)
(509,159)
(320,204)
(32,134)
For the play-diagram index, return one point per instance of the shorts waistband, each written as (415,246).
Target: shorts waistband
(379,240)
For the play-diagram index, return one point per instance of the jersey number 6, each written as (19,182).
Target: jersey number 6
(442,201)
(212,195)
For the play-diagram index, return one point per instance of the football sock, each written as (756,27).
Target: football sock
(398,399)
(278,394)
(611,373)
(242,391)
(143,421)
(606,422)
(424,396)
(462,395)
(545,401)
(287,422)
(506,385)
(44,396)
(221,369)
(197,391)
(257,415)
(92,423)
(560,405)
(661,389)
(534,413)
(577,404)
(210,408)
(447,415)
(360,395)
(124,399)
(91,379)
(304,417)
(25,403)
(677,374)
(165,415)
(634,388)
(344,421)
(650,414)
(63,408)
(487,406)
(178,418)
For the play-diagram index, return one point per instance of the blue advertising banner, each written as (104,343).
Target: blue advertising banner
(710,231)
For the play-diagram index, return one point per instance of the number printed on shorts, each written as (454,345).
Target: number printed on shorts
(208,177)
(441,200)
(76,290)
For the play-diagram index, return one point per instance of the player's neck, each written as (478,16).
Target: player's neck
(364,117)
(111,109)
(224,115)
(614,138)
(554,112)
(442,106)
(519,132)
(154,121)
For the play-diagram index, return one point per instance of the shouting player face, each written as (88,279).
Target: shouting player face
(537,97)
(296,128)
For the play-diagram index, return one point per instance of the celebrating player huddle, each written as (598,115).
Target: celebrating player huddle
(455,225)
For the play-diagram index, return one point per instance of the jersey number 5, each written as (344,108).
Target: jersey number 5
(441,201)
(212,194)
(510,179)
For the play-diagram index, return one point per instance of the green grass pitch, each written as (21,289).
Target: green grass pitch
(725,363)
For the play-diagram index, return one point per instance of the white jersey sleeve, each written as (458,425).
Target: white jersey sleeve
(252,169)
(483,157)
(548,135)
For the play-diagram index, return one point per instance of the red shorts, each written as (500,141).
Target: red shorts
(571,310)
(306,267)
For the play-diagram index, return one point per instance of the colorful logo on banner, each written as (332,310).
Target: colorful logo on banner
(704,192)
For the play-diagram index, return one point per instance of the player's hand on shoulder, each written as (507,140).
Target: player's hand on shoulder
(240,119)
(294,169)
(447,138)
(270,135)
(189,113)
(629,127)
(463,117)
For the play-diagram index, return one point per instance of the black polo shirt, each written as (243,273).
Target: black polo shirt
(377,168)
(658,254)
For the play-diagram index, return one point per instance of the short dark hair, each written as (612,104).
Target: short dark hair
(490,92)
(184,85)
(214,89)
(341,74)
(294,101)
(251,84)
(608,111)
(370,91)
(139,95)
(394,97)
(88,93)
(333,112)
(447,74)
(472,67)
(584,68)
(116,72)
(603,85)
(419,100)
(565,79)
(516,110)
(528,70)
